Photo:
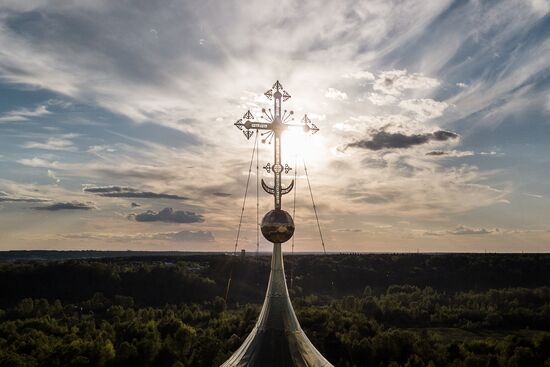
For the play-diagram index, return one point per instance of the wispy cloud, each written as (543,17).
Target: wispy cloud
(129,192)
(38,162)
(54,143)
(5,197)
(395,82)
(24,114)
(360,75)
(179,236)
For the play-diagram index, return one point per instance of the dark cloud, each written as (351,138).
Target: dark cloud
(451,153)
(135,205)
(442,135)
(66,206)
(168,215)
(437,153)
(385,140)
(462,230)
(129,192)
(221,194)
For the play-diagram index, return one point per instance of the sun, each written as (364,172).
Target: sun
(297,145)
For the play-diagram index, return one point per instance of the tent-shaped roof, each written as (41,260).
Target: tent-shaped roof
(277,339)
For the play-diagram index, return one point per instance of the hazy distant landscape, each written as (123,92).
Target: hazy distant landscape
(359,310)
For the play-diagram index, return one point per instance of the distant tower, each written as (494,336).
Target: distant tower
(277,339)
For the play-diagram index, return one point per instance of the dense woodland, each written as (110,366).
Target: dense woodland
(359,310)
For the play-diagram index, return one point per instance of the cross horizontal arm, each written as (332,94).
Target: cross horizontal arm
(305,127)
(258,125)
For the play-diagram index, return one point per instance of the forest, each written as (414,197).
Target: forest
(358,309)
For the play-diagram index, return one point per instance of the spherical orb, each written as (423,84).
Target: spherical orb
(277,226)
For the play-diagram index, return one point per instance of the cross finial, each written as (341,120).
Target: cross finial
(276,121)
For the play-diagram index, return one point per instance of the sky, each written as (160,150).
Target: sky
(116,123)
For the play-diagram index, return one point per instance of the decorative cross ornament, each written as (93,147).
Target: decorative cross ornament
(276,123)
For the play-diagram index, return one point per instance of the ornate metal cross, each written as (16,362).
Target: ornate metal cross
(276,123)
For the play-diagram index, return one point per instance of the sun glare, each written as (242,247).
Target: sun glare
(297,144)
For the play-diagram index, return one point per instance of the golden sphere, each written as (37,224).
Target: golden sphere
(277,226)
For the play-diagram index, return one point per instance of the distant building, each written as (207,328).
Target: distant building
(243,252)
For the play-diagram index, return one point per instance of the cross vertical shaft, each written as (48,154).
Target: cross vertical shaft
(277,167)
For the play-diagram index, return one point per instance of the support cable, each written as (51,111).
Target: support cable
(245,194)
(294,215)
(257,198)
(314,208)
(228,285)
(295,189)
(254,150)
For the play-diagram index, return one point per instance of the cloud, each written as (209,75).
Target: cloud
(385,140)
(54,143)
(5,197)
(381,99)
(168,215)
(379,198)
(53,176)
(360,75)
(74,205)
(394,82)
(129,192)
(335,94)
(420,188)
(462,230)
(221,194)
(37,162)
(135,205)
(23,114)
(424,108)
